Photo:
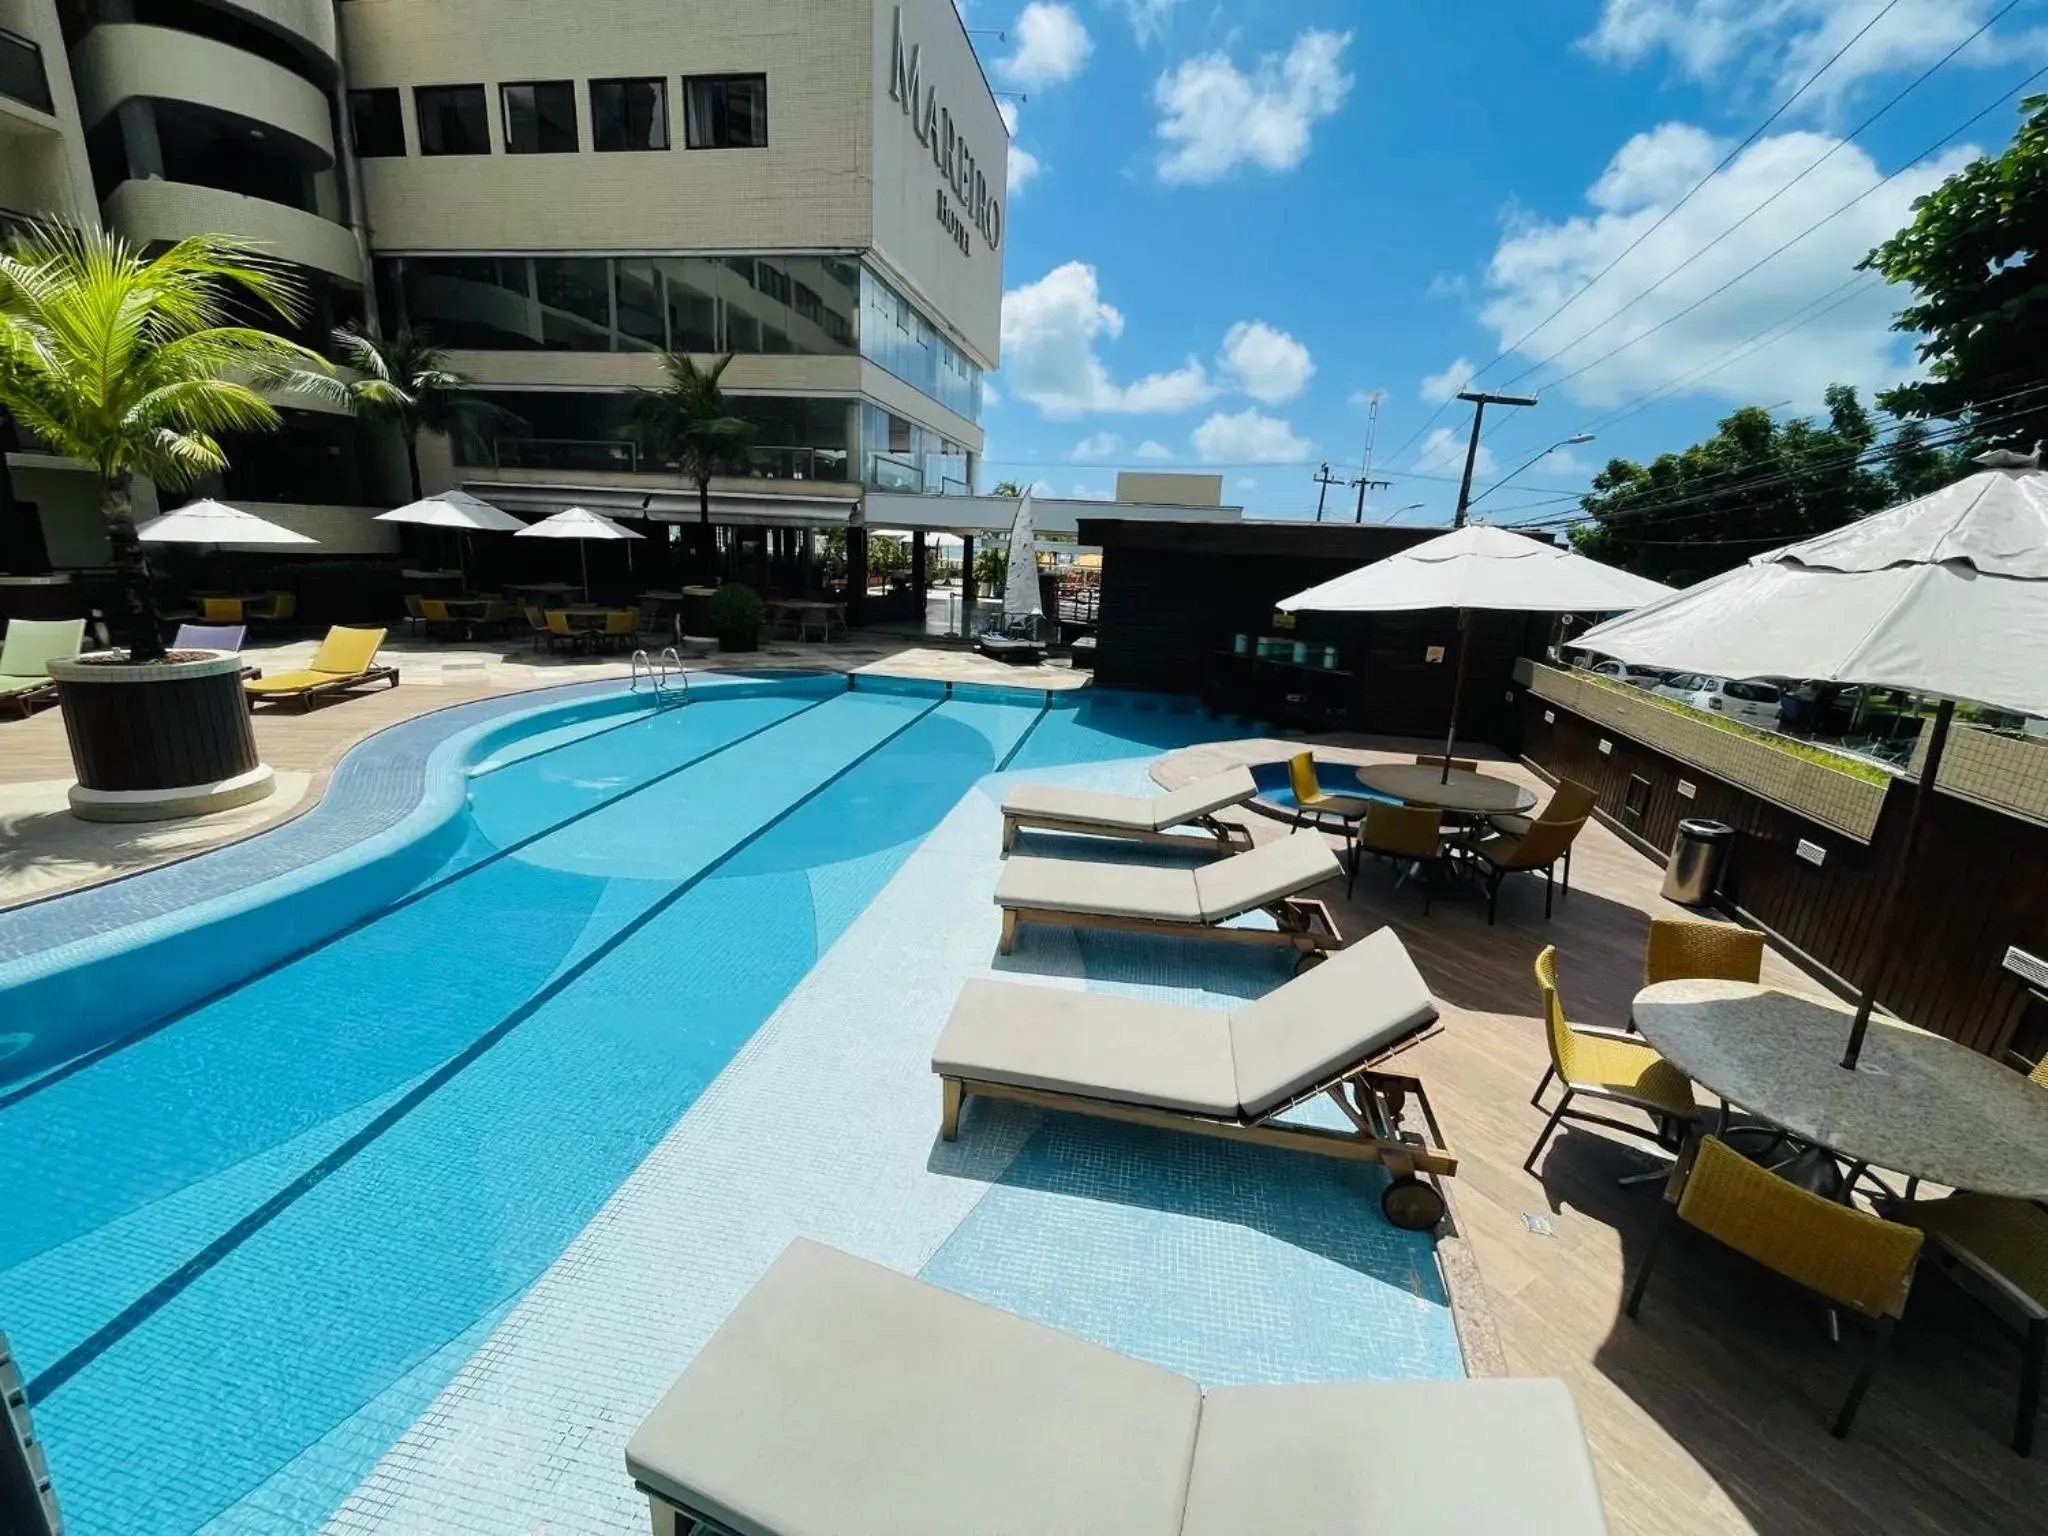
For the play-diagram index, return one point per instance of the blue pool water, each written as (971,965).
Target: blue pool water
(228,1235)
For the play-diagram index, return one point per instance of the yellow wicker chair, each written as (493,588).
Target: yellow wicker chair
(1311,800)
(1680,948)
(1609,1065)
(1846,1256)
(221,610)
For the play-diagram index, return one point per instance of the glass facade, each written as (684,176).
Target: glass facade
(574,430)
(803,305)
(725,111)
(897,454)
(628,115)
(378,123)
(453,119)
(540,117)
(895,336)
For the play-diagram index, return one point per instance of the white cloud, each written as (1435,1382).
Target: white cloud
(1052,45)
(990,399)
(1447,285)
(1780,43)
(1085,492)
(1215,118)
(1103,445)
(1361,398)
(1244,483)
(1439,387)
(1563,464)
(1248,438)
(1443,453)
(1538,265)
(1267,364)
(1050,331)
(1023,165)
(1148,18)
(1154,452)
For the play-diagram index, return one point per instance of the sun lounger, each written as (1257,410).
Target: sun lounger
(346,660)
(25,657)
(1189,902)
(840,1398)
(1330,1030)
(1145,818)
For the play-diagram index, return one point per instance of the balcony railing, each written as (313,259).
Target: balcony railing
(21,72)
(623,455)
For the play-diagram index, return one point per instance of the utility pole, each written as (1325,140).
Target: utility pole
(1480,401)
(1363,484)
(1324,480)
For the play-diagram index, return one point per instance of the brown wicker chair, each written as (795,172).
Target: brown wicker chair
(1408,834)
(1570,801)
(1546,844)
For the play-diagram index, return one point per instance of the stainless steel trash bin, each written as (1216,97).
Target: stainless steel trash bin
(1699,857)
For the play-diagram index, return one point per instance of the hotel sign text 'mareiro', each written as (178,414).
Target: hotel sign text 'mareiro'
(933,125)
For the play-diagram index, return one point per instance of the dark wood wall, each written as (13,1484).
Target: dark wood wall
(1979,885)
(1174,594)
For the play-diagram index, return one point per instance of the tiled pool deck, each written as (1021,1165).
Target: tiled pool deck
(1233,1264)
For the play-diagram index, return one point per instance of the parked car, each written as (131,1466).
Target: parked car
(1750,700)
(1635,677)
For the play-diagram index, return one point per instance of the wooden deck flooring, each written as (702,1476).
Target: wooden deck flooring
(1710,1415)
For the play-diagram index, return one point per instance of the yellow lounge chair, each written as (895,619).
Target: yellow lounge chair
(25,656)
(346,660)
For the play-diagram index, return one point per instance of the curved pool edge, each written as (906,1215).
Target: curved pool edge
(128,976)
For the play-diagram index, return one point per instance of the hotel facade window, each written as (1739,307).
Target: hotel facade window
(895,336)
(629,114)
(539,117)
(788,305)
(725,111)
(453,119)
(377,122)
(795,438)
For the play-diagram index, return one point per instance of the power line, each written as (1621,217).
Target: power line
(1835,149)
(1727,160)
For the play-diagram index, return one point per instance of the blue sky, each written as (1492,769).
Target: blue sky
(1231,221)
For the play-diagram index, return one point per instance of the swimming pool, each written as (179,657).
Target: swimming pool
(315,1190)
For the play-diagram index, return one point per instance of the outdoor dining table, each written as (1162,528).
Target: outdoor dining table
(1470,794)
(803,612)
(1917,1104)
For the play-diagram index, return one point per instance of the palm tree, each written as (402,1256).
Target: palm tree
(688,422)
(131,364)
(404,379)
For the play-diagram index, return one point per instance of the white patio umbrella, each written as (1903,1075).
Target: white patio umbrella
(459,510)
(581,524)
(1478,567)
(1946,596)
(214,522)
(1020,579)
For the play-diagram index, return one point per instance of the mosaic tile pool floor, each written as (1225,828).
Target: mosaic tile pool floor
(407,1290)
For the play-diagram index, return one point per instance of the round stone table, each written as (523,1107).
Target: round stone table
(1917,1103)
(1476,794)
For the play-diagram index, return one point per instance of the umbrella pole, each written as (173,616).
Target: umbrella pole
(1887,919)
(1457,692)
(583,549)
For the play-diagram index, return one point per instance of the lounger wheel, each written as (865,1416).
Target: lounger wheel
(1411,1204)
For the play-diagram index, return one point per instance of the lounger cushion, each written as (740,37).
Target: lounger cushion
(1285,867)
(1350,1008)
(1121,1049)
(1114,890)
(1418,1458)
(1132,813)
(843,1399)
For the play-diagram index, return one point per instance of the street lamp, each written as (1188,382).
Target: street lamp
(1413,506)
(1570,442)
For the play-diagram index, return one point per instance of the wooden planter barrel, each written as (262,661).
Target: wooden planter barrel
(160,740)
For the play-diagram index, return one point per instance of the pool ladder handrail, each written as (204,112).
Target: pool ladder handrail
(660,671)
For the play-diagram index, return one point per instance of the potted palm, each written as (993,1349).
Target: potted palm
(132,364)
(688,423)
(736,616)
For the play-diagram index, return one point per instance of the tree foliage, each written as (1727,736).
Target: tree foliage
(689,423)
(134,365)
(1758,482)
(1972,257)
(404,380)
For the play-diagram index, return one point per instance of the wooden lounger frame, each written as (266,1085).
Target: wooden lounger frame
(1305,926)
(1230,838)
(311,691)
(1374,1106)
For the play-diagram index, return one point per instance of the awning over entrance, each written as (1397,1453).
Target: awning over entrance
(677,504)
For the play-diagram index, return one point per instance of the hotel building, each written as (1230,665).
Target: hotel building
(557,193)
